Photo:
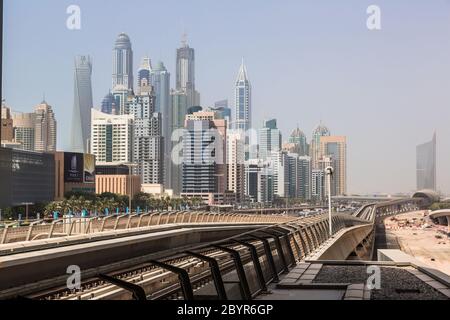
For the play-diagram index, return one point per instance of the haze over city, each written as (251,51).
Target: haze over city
(386,90)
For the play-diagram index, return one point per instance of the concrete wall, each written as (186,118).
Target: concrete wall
(342,247)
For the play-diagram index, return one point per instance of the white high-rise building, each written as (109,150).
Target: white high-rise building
(147,140)
(317,184)
(324,163)
(112,137)
(243,100)
(279,163)
(235,163)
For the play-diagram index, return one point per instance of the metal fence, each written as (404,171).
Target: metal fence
(69,226)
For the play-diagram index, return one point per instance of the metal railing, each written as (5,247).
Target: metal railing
(69,226)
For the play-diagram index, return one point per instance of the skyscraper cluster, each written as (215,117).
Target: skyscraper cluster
(172,141)
(129,128)
(295,169)
(138,115)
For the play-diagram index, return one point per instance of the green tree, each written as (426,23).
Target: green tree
(141,200)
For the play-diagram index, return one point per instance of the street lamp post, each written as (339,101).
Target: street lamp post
(329,172)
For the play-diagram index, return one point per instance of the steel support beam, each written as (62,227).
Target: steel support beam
(269,256)
(215,272)
(280,250)
(257,264)
(183,276)
(240,271)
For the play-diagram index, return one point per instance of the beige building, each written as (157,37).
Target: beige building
(45,128)
(335,148)
(156,190)
(118,184)
(35,131)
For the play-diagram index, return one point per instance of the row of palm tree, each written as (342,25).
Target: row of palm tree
(145,200)
(111,203)
(80,204)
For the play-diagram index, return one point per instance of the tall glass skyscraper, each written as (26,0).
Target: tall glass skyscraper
(160,80)
(243,101)
(81,118)
(123,62)
(426,165)
(185,72)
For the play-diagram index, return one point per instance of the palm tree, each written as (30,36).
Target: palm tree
(50,208)
(151,203)
(158,204)
(196,201)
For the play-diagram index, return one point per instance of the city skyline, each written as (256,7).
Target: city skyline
(365,139)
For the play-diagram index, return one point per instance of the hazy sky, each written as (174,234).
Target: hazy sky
(386,90)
